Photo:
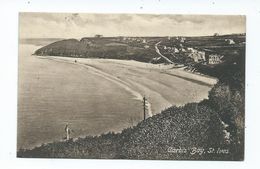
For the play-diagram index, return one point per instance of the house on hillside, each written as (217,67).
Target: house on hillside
(214,59)
(182,49)
(98,36)
(190,49)
(230,41)
(196,55)
(146,46)
(175,50)
(182,39)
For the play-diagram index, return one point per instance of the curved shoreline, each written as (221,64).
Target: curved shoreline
(107,76)
(137,79)
(101,67)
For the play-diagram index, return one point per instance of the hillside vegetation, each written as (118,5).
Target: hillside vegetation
(108,48)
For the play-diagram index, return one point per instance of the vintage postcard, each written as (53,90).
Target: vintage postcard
(131,86)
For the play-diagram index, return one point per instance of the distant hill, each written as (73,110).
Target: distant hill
(141,48)
(110,48)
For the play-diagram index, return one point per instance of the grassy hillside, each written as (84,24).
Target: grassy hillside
(176,127)
(109,48)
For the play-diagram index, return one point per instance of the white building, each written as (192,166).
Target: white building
(230,41)
(175,50)
(197,56)
(182,39)
(146,46)
(214,59)
(183,50)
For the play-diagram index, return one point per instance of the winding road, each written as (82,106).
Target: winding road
(158,51)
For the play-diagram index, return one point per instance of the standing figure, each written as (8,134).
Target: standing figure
(68,131)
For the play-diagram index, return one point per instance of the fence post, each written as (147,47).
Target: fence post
(144,106)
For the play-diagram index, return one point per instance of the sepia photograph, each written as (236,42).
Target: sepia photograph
(131,86)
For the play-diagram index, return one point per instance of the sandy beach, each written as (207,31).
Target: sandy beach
(155,81)
(95,96)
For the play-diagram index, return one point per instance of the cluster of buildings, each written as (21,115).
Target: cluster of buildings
(137,41)
(179,38)
(199,56)
(204,56)
(171,49)
(133,39)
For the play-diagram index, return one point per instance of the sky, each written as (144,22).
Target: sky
(78,25)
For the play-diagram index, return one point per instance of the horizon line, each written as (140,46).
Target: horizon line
(132,36)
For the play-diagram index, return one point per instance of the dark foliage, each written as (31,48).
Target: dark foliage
(180,127)
(97,48)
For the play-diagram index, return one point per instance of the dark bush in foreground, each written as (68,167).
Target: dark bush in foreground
(188,127)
